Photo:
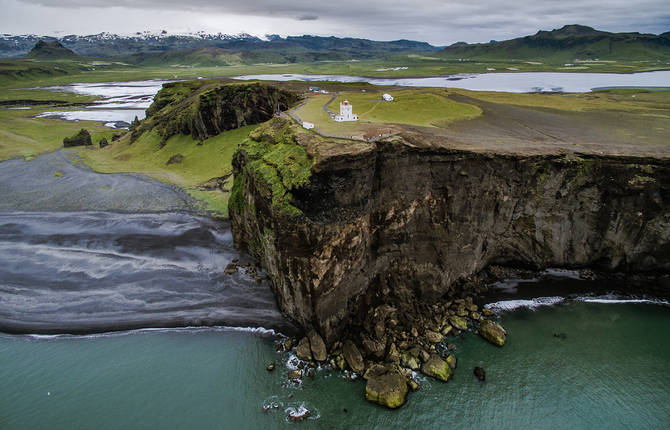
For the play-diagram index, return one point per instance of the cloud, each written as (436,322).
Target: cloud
(436,21)
(307,17)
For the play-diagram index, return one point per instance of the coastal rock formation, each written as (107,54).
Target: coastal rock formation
(205,109)
(340,224)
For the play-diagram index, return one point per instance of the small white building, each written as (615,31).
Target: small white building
(308,125)
(346,112)
(387,97)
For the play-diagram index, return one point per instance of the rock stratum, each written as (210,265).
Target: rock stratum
(339,224)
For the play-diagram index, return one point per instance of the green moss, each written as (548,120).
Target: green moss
(59,174)
(276,163)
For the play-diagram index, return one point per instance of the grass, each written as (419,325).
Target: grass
(413,107)
(17,73)
(211,159)
(21,135)
(421,107)
(628,100)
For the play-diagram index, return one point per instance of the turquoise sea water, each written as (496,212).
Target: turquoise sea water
(611,369)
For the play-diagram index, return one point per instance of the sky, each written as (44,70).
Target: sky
(440,22)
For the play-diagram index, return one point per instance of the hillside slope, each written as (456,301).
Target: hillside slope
(567,44)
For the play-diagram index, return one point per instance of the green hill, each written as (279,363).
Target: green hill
(567,44)
(51,51)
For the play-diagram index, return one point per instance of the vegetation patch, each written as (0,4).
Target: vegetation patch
(276,163)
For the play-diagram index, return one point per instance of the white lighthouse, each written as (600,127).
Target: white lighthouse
(346,112)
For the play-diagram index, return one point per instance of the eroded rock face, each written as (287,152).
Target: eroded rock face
(385,215)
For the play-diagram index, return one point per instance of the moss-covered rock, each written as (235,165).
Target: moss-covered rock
(437,368)
(206,108)
(493,332)
(458,322)
(451,361)
(82,138)
(386,386)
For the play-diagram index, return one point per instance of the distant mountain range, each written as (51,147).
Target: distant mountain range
(568,43)
(108,45)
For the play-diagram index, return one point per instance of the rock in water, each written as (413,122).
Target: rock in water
(436,368)
(270,367)
(353,356)
(386,386)
(479,373)
(295,374)
(303,350)
(493,332)
(317,346)
(459,322)
(451,361)
(230,269)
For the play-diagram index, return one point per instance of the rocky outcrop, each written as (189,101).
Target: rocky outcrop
(203,109)
(82,138)
(338,223)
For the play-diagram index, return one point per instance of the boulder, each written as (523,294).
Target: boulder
(409,361)
(433,337)
(353,356)
(447,329)
(480,373)
(493,332)
(386,386)
(459,322)
(230,269)
(270,367)
(487,312)
(451,361)
(317,346)
(437,368)
(303,350)
(103,142)
(295,374)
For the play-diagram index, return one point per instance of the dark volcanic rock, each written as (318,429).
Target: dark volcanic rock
(479,373)
(375,217)
(103,142)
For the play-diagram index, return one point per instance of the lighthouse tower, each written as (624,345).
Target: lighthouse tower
(346,112)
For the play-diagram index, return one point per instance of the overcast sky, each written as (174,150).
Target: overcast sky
(439,22)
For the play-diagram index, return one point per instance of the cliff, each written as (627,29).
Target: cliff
(338,224)
(206,108)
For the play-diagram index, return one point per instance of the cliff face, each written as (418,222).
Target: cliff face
(206,108)
(392,214)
